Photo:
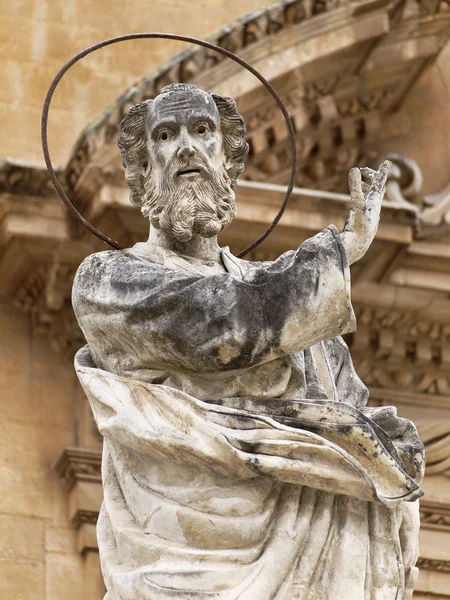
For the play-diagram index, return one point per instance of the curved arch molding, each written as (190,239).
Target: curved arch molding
(342,67)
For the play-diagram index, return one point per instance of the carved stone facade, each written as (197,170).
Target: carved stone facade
(338,88)
(435,515)
(345,69)
(80,472)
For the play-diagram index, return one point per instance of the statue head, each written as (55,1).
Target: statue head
(183,153)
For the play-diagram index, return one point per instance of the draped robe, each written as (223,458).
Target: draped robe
(240,459)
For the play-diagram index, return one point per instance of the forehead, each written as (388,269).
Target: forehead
(182,106)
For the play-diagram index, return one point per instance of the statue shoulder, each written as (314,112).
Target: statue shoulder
(96,264)
(118,266)
(101,267)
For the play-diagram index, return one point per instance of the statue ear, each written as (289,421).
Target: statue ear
(145,169)
(229,168)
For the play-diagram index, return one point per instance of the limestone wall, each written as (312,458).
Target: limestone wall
(38,555)
(38,392)
(39,36)
(39,414)
(426,119)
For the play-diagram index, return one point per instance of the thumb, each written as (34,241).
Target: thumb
(379,179)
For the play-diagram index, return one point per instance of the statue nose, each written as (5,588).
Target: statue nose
(185,151)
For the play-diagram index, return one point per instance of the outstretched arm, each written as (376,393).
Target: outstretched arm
(139,313)
(362,222)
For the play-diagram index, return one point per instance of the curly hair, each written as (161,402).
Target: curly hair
(132,141)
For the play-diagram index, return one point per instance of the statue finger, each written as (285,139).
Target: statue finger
(365,188)
(368,172)
(355,186)
(379,180)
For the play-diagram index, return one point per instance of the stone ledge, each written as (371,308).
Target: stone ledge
(429,564)
(80,472)
(78,464)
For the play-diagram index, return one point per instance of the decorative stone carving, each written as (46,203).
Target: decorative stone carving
(434,515)
(78,464)
(404,187)
(435,214)
(337,106)
(45,295)
(19,178)
(395,350)
(431,564)
(80,472)
(238,447)
(31,289)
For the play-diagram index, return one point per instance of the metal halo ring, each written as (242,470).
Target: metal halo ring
(181,38)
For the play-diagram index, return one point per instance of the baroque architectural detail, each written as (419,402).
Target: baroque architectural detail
(337,106)
(435,216)
(19,178)
(82,517)
(78,464)
(436,437)
(337,103)
(396,351)
(434,515)
(431,564)
(235,37)
(80,472)
(45,294)
(404,187)
(31,289)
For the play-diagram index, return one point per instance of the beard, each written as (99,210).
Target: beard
(182,207)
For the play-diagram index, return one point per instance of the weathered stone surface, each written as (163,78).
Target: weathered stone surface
(36,421)
(63,576)
(25,580)
(46,36)
(412,376)
(240,459)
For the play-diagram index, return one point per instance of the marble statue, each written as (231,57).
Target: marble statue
(240,459)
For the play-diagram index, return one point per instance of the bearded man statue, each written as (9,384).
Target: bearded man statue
(240,459)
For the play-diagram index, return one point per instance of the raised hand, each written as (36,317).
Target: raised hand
(362,222)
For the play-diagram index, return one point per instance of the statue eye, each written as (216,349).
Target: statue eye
(201,129)
(164,135)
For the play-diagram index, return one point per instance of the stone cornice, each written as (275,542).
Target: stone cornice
(236,36)
(17,177)
(337,107)
(80,472)
(85,517)
(402,397)
(402,350)
(434,515)
(431,564)
(40,252)
(78,464)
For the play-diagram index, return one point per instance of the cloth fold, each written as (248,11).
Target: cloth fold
(276,453)
(240,459)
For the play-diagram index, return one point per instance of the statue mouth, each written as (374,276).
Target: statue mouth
(187,173)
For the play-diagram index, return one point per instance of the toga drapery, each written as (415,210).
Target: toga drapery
(240,459)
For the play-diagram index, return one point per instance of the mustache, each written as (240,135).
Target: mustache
(198,161)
